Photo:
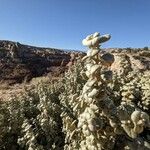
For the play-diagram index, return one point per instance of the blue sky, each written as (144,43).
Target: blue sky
(64,23)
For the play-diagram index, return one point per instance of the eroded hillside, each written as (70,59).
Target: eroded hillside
(22,62)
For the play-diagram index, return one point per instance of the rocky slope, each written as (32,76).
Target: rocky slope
(20,62)
(137,60)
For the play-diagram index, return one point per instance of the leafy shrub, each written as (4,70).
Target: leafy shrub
(32,121)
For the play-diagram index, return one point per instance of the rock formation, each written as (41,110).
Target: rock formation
(22,62)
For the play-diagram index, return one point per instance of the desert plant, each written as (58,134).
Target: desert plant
(110,109)
(89,108)
(146,48)
(32,121)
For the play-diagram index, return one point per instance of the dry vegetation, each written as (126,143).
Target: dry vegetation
(52,114)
